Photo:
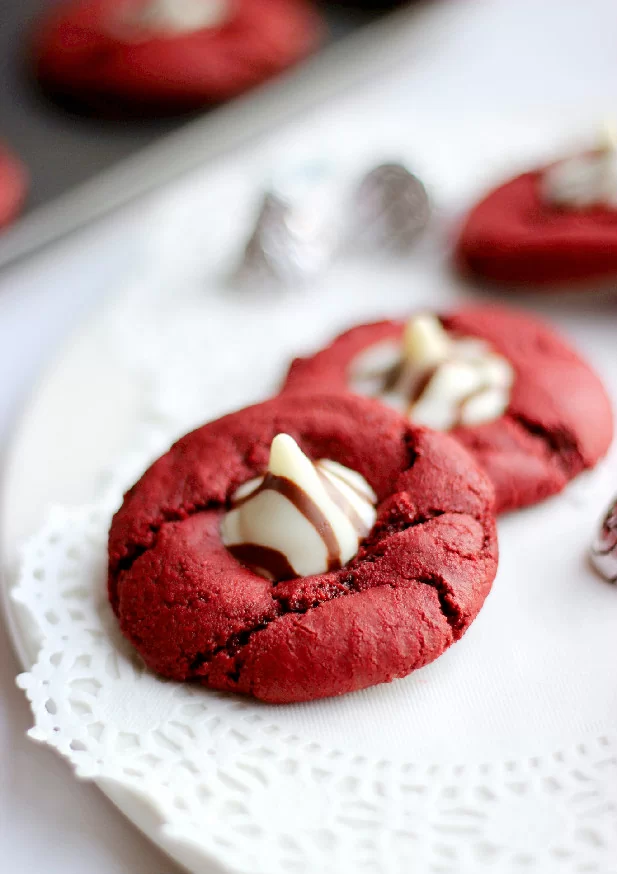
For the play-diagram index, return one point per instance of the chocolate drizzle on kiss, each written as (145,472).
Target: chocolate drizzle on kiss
(338,498)
(263,559)
(395,375)
(605,546)
(274,563)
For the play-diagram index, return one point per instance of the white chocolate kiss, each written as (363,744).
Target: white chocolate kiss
(584,180)
(437,380)
(174,17)
(339,511)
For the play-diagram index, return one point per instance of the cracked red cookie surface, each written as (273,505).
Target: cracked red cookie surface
(557,421)
(168,55)
(416,583)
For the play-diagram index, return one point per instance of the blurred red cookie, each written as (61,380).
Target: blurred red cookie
(168,55)
(13,186)
(554,225)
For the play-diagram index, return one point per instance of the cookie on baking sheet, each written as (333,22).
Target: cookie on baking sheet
(168,55)
(13,186)
(513,392)
(302,548)
(555,225)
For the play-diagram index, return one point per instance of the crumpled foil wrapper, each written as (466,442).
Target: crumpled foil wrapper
(390,209)
(604,548)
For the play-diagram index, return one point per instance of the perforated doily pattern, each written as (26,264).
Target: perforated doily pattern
(278,803)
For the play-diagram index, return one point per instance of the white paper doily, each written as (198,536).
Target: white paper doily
(500,756)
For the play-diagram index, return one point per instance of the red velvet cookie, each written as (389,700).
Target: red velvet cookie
(13,186)
(129,54)
(558,421)
(513,235)
(419,579)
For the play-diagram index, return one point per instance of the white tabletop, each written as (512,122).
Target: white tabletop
(500,56)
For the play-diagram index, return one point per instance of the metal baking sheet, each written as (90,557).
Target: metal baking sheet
(82,167)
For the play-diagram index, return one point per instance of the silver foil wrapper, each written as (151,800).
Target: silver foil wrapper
(390,209)
(307,218)
(604,548)
(295,237)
